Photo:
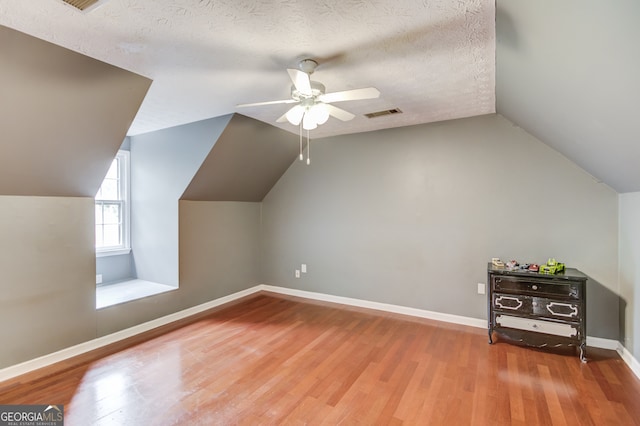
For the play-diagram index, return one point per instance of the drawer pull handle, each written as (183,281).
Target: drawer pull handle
(499,304)
(534,287)
(573,313)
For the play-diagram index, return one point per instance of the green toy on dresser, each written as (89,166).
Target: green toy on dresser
(552,267)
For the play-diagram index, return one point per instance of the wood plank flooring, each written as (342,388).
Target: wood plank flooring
(281,360)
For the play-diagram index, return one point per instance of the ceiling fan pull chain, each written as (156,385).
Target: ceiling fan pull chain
(301,155)
(308,148)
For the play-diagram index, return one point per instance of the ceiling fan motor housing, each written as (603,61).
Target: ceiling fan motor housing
(317,89)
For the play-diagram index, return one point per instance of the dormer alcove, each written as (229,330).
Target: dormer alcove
(228,163)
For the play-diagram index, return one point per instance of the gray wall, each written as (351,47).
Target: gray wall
(218,256)
(115,268)
(219,248)
(47,271)
(162,165)
(630,271)
(410,216)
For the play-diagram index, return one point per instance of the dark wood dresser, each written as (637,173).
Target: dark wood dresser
(538,309)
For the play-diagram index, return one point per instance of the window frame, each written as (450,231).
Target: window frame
(124,170)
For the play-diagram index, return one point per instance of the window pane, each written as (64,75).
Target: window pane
(98,214)
(111,206)
(108,190)
(111,235)
(99,239)
(113,170)
(111,214)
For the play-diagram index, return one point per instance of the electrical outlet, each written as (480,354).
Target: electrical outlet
(297,273)
(99,279)
(303,268)
(481,288)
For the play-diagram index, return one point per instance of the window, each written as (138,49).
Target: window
(112,209)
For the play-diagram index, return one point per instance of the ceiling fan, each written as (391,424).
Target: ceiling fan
(313,105)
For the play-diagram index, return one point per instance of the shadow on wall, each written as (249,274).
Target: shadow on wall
(622,315)
(506,32)
(603,307)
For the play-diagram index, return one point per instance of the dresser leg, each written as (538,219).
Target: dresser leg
(583,352)
(490,337)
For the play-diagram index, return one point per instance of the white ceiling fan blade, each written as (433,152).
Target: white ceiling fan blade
(284,101)
(350,95)
(339,113)
(293,116)
(301,80)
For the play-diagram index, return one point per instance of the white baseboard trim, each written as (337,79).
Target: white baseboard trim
(61,355)
(421,313)
(79,349)
(599,342)
(629,359)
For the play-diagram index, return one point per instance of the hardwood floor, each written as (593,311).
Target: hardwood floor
(280,360)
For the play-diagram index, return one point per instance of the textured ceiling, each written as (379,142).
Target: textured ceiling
(432,59)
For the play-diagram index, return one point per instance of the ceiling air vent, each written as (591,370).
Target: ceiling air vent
(84,5)
(385,112)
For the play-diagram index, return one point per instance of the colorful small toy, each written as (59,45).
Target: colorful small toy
(512,264)
(497,262)
(552,267)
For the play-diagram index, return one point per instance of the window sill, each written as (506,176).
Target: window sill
(116,252)
(127,291)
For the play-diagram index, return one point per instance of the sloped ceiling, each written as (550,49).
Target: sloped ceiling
(568,72)
(432,59)
(565,71)
(63,116)
(246,161)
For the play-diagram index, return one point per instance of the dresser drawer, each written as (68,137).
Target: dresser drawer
(535,287)
(529,305)
(538,326)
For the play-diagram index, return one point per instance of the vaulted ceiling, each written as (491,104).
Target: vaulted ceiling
(568,73)
(63,117)
(563,71)
(432,59)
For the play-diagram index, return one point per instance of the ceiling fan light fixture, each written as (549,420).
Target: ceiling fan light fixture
(313,105)
(319,113)
(295,114)
(308,122)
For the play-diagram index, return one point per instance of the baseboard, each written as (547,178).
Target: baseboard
(67,353)
(79,349)
(421,313)
(629,359)
(599,342)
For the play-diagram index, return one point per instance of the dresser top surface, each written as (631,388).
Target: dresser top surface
(567,274)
